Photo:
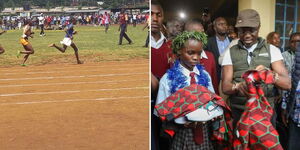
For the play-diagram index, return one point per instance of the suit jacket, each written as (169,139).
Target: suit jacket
(212,46)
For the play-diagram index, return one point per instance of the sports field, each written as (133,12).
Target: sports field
(55,104)
(93,43)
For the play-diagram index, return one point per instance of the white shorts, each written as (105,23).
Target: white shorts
(66,41)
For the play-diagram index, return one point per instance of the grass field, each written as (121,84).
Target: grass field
(93,43)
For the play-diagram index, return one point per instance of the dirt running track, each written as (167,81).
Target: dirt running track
(101,106)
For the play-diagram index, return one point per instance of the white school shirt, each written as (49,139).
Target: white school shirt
(203,55)
(164,88)
(159,43)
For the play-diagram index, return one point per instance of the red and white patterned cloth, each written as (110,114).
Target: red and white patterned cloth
(254,129)
(190,98)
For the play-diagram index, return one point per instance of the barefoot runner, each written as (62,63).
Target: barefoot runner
(24,41)
(68,40)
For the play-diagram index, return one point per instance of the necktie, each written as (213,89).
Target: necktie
(193,80)
(198,132)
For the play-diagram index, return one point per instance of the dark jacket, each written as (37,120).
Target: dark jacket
(295,80)
(212,46)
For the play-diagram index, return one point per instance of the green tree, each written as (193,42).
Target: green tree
(10,3)
(1,5)
(112,3)
(48,5)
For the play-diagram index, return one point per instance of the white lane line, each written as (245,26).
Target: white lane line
(38,93)
(75,91)
(72,67)
(75,100)
(69,83)
(69,71)
(67,77)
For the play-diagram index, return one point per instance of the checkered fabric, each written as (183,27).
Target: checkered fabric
(254,129)
(186,100)
(190,98)
(184,140)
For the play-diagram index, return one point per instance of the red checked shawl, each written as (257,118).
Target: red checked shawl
(190,98)
(255,130)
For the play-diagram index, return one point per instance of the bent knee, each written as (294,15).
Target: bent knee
(2,51)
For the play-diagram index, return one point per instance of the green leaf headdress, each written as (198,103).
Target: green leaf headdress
(180,39)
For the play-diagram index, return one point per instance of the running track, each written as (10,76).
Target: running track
(83,107)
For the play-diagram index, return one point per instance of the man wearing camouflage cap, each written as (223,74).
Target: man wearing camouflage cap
(251,52)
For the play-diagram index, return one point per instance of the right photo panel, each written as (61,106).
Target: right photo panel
(225,74)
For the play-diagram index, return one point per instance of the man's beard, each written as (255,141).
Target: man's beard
(222,33)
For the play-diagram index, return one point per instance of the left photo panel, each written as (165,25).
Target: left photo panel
(74,74)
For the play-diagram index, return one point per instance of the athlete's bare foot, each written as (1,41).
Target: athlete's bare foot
(51,45)
(79,62)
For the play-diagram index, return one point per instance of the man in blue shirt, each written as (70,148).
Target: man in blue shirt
(218,43)
(68,40)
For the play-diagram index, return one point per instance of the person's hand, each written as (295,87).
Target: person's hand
(188,124)
(216,118)
(284,117)
(260,68)
(242,89)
